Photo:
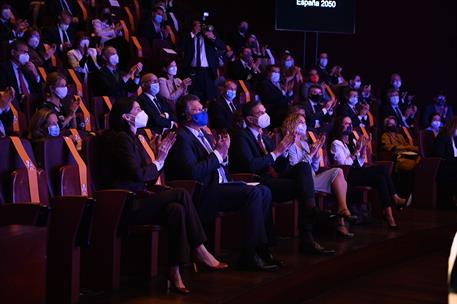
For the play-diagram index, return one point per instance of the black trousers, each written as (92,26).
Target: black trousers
(175,210)
(254,204)
(203,84)
(377,177)
(296,183)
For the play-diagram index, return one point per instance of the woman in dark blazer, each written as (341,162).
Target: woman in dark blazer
(131,168)
(445,146)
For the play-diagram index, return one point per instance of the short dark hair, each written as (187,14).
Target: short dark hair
(249,107)
(122,106)
(16,43)
(182,105)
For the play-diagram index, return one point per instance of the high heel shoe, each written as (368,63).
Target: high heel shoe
(406,204)
(392,226)
(200,265)
(346,214)
(173,288)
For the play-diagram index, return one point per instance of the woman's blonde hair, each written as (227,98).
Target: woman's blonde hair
(38,122)
(291,122)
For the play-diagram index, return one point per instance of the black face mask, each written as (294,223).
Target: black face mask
(391,128)
(315,98)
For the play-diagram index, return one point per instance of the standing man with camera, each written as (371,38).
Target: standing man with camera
(199,50)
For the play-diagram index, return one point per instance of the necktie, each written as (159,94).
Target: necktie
(22,83)
(65,37)
(156,104)
(262,144)
(209,149)
(198,46)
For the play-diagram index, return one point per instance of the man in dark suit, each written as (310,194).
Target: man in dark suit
(243,68)
(393,109)
(221,111)
(359,117)
(439,106)
(319,118)
(109,81)
(158,110)
(322,68)
(254,152)
(7,28)
(154,28)
(273,96)
(62,34)
(20,73)
(6,115)
(194,156)
(200,60)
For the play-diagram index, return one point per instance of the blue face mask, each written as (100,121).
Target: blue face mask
(230,94)
(155,88)
(158,18)
(275,77)
(54,130)
(200,119)
(288,64)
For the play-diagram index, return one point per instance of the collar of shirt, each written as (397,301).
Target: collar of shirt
(229,103)
(254,132)
(150,96)
(314,104)
(194,132)
(112,70)
(192,35)
(15,65)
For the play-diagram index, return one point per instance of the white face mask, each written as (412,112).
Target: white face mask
(34,42)
(61,92)
(173,71)
(84,43)
(436,124)
(114,59)
(323,62)
(397,84)
(275,77)
(353,100)
(141,120)
(6,14)
(263,121)
(301,129)
(394,100)
(24,58)
(357,85)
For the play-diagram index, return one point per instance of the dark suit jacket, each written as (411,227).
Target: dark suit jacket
(388,110)
(237,71)
(149,31)
(345,110)
(8,79)
(188,159)
(443,147)
(325,120)
(246,154)
(273,99)
(429,110)
(7,118)
(52,35)
(220,115)
(105,83)
(127,165)
(156,122)
(6,32)
(187,47)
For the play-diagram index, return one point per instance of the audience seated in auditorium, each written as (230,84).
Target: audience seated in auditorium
(10,27)
(43,124)
(222,110)
(205,161)
(274,95)
(107,27)
(355,83)
(83,59)
(405,102)
(161,117)
(435,124)
(393,109)
(40,54)
(319,111)
(322,68)
(172,87)
(346,150)
(130,169)
(336,77)
(291,75)
(328,181)
(19,72)
(109,81)
(155,28)
(62,34)
(367,96)
(357,111)
(440,107)
(57,101)
(314,79)
(445,146)
(254,152)
(262,54)
(6,114)
(199,49)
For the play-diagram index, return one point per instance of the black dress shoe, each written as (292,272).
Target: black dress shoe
(268,257)
(316,249)
(256,263)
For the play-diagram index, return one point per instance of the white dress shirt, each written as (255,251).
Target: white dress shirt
(342,155)
(201,42)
